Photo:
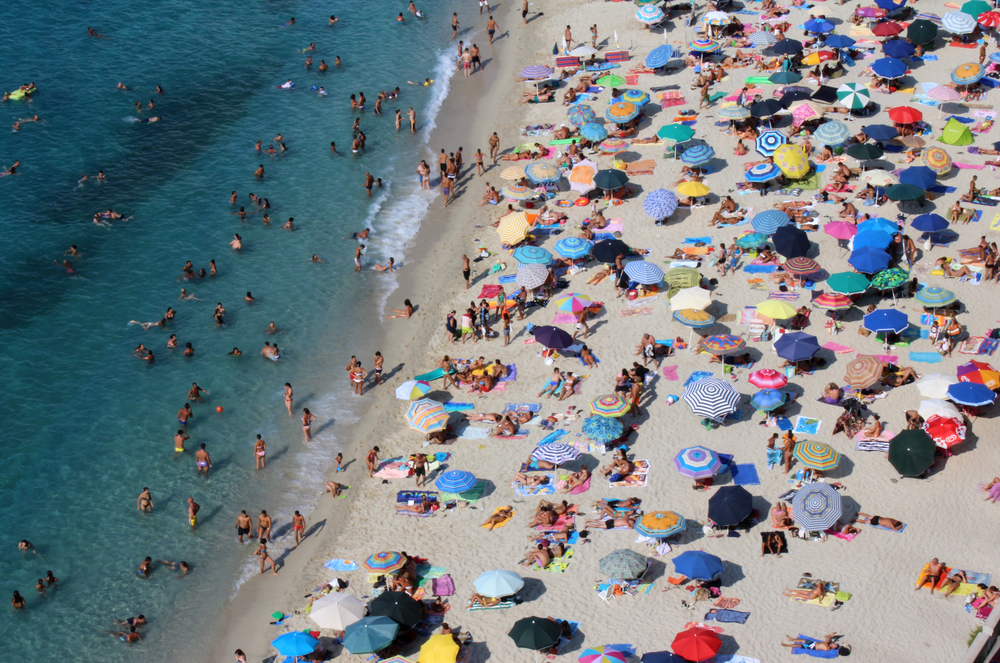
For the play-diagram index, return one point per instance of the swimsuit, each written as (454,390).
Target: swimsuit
(202,463)
(243,531)
(178,449)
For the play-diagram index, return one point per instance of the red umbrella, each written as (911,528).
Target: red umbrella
(887,29)
(905,115)
(945,431)
(696,644)
(989,19)
(768,378)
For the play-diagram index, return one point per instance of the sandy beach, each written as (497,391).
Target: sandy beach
(945,513)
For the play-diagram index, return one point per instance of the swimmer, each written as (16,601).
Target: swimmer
(333,19)
(179,440)
(357,257)
(243,525)
(95,34)
(67,265)
(248,298)
(147,325)
(272,329)
(289,225)
(316,258)
(194,394)
(289,394)
(181,566)
(131,636)
(185,296)
(144,502)
(236,243)
(236,353)
(172,341)
(387,267)
(363,234)
(73,251)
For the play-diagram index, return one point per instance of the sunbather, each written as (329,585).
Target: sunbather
(816,591)
(531,480)
(424,507)
(612,523)
(771,544)
(826,644)
(484,601)
(499,517)
(879,521)
(553,385)
(576,479)
(544,516)
(529,98)
(952,583)
(541,555)
(872,432)
(780,517)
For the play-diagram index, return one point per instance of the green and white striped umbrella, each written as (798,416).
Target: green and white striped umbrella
(853,95)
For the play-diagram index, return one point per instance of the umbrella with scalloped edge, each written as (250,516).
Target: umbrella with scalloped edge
(793,161)
(936,159)
(768,378)
(612,405)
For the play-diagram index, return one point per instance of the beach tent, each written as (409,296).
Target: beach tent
(956,133)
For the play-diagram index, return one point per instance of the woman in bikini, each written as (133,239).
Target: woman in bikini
(576,479)
(358,376)
(501,516)
(404,313)
(307,419)
(259,451)
(288,398)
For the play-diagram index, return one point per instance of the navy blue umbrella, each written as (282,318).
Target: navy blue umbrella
(889,5)
(920,176)
(796,346)
(884,320)
(868,260)
(787,46)
(889,67)
(929,223)
(898,48)
(552,337)
(838,41)
(879,131)
(791,242)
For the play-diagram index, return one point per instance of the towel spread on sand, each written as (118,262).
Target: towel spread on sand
(727,616)
(503,522)
(926,357)
(670,373)
(838,348)
(520,490)
(637,478)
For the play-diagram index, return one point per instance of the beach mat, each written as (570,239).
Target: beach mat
(745,475)
(504,523)
(727,616)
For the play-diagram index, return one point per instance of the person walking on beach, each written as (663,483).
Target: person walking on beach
(263,525)
(288,398)
(494,147)
(466,270)
(260,451)
(479,162)
(299,527)
(446,190)
(307,419)
(491,28)
(524,12)
(243,525)
(581,323)
(568,36)
(203,460)
(193,509)
(261,553)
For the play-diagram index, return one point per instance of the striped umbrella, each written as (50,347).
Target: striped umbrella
(581,114)
(612,405)
(660,524)
(427,416)
(528,255)
(621,112)
(775,309)
(766,400)
(456,481)
(816,507)
(675,133)
(945,93)
(704,45)
(863,371)
(762,39)
(659,204)
(751,240)
(936,159)
(832,133)
(989,19)
(768,378)
(935,385)
(801,266)
(536,72)
(573,302)
(643,272)
(854,96)
(722,344)
(698,155)
(968,73)
(541,172)
(958,23)
(384,562)
(693,318)
(816,455)
(499,583)
(603,429)
(716,18)
(697,462)
(556,453)
(606,654)
(531,275)
(712,398)
(637,97)
(971,394)
(573,247)
(659,56)
(848,283)
(512,173)
(412,389)
(513,228)
(593,132)
(833,301)
(980,373)
(763,172)
(935,296)
(649,15)
(517,192)
(610,80)
(793,161)
(769,141)
(734,112)
(768,221)
(623,564)
(613,145)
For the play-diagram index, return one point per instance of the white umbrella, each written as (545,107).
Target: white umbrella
(696,298)
(935,385)
(582,50)
(932,406)
(337,611)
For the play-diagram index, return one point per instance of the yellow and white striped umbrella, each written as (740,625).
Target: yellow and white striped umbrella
(513,228)
(512,173)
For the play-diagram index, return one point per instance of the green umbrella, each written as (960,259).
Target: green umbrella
(370,635)
(624,564)
(611,81)
(535,633)
(610,178)
(911,452)
(904,192)
(676,132)
(921,31)
(785,77)
(890,278)
(865,151)
(397,606)
(847,283)
(975,7)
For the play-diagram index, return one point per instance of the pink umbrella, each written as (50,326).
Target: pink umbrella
(803,113)
(768,378)
(840,230)
(944,93)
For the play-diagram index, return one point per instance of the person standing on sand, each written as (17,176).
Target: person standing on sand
(243,524)
(378,361)
(524,12)
(446,190)
(494,147)
(466,270)
(288,397)
(261,553)
(371,460)
(568,36)
(203,460)
(479,162)
(299,527)
(420,469)
(786,451)
(193,509)
(260,451)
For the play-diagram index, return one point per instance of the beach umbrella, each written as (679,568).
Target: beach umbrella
(426,416)
(660,55)
(968,73)
(886,320)
(818,57)
(593,132)
(768,221)
(898,48)
(890,278)
(877,178)
(751,240)
(517,192)
(854,96)
(607,250)
(976,7)
(944,93)
(921,31)
(531,275)
(637,97)
(440,648)
(832,133)
(605,654)
(762,39)
(990,19)
(612,405)
(801,266)
(512,173)
(456,481)
(863,371)
(865,151)
(934,406)
(791,242)
(902,192)
(785,77)
(704,45)
(958,23)
(712,398)
(610,80)
(763,172)
(889,68)
(623,564)
(660,524)
(734,112)
(768,378)
(573,247)
(769,141)
(556,453)
(698,565)
(767,400)
(536,72)
(581,114)
(838,41)
(905,115)
(979,372)
(693,189)
(535,633)
(573,302)
(816,455)
(697,462)
(583,50)
(936,159)
(794,95)
(889,5)
(645,273)
(875,238)
(412,389)
(729,506)
(369,635)
(848,283)
(400,607)
(840,230)
(693,318)
(878,224)
(765,108)
(787,47)
(972,394)
(804,110)
(887,29)
(613,145)
(716,18)
(696,644)
(935,296)
(677,133)
(698,155)
(541,172)
(621,112)
(775,309)
(610,178)
(816,507)
(935,385)
(581,178)
(869,260)
(498,584)
(552,337)
(722,344)
(384,562)
(879,132)
(796,346)
(529,255)
(649,15)
(686,277)
(911,452)
(920,176)
(945,431)
(603,429)
(793,161)
(337,611)
(659,204)
(833,302)
(294,643)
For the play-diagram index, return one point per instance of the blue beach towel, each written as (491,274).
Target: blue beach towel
(760,269)
(592,355)
(889,529)
(727,616)
(926,357)
(508,278)
(745,475)
(695,240)
(522,407)
(456,407)
(554,436)
(813,652)
(697,375)
(341,565)
(940,188)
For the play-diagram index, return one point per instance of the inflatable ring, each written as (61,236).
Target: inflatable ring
(582,201)
(564,203)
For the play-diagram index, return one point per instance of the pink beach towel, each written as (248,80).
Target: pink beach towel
(563,318)
(837,347)
(443,586)
(891,359)
(841,535)
(490,291)
(670,373)
(972,166)
(582,488)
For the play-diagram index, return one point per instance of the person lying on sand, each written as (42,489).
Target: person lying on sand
(482,600)
(879,521)
(609,507)
(544,516)
(817,591)
(499,517)
(531,480)
(576,479)
(529,98)
(627,521)
(424,507)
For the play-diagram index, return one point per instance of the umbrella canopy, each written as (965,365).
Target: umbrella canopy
(337,611)
(400,607)
(879,224)
(945,93)
(776,309)
(603,429)
(929,223)
(610,178)
(869,260)
(854,96)
(697,462)
(690,298)
(499,583)
(976,7)
(608,249)
(889,68)
(696,644)
(624,564)
(832,133)
(637,97)
(581,178)
(660,524)
(541,172)
(886,320)
(768,221)
(531,275)
(536,72)
(840,230)
(972,394)
(593,132)
(573,247)
(911,452)
(863,371)
(935,296)
(716,18)
(920,176)
(804,110)
(936,159)
(556,453)
(904,192)
(816,455)
(763,172)
(517,192)
(848,283)
(612,405)
(898,48)
(865,151)
(426,416)
(734,112)
(649,15)
(581,114)
(762,39)
(610,80)
(294,643)
(791,242)
(816,507)
(818,57)
(769,141)
(879,132)
(369,635)
(440,648)
(958,23)
(512,173)
(767,400)
(535,633)
(876,239)
(532,255)
(887,29)
(659,204)
(945,431)
(698,565)
(456,481)
(698,155)
(793,161)
(921,31)
(890,278)
(513,228)
(693,189)
(826,94)
(795,95)
(968,73)
(712,398)
(412,389)
(833,302)
(935,406)
(990,19)
(677,133)
(730,505)
(659,56)
(877,178)
(693,318)
(956,133)
(621,112)
(606,654)
(751,240)
(785,77)
(979,372)
(838,41)
(613,145)
(935,385)
(765,108)
(796,346)
(573,302)
(552,337)
(768,378)
(643,272)
(722,344)
(704,45)
(384,562)
(787,47)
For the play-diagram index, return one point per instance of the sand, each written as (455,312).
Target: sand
(885,620)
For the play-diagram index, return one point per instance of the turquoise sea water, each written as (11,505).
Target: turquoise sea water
(87,424)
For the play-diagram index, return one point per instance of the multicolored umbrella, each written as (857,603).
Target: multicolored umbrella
(833,302)
(556,453)
(637,97)
(532,255)
(645,273)
(854,96)
(722,344)
(456,481)
(517,192)
(512,173)
(769,141)
(863,371)
(945,431)
(621,112)
(734,112)
(693,318)
(573,247)
(573,302)
(698,565)
(541,172)
(766,400)
(412,389)
(603,429)
(427,416)
(698,155)
(612,405)
(819,57)
(763,172)
(971,394)
(768,221)
(911,452)
(660,524)
(581,114)
(935,296)
(581,178)
(606,654)
(712,398)
(704,45)
(935,385)
(796,346)
(832,133)
(768,378)
(816,455)
(613,145)
(649,15)
(384,562)
(697,462)
(968,73)
(536,72)
(792,161)
(775,309)
(499,583)
(848,283)
(531,275)
(888,278)
(979,372)
(660,204)
(816,507)
(610,80)
(801,266)
(623,564)
(751,240)
(936,159)
(958,23)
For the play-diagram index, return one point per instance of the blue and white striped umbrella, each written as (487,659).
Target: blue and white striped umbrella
(649,15)
(593,132)
(643,272)
(532,255)
(734,112)
(958,23)
(556,453)
(712,398)
(816,507)
(832,133)
(698,155)
(769,141)
(762,39)
(659,56)
(995,57)
(456,481)
(769,220)
(573,247)
(697,462)
(935,296)
(499,583)
(763,172)
(660,204)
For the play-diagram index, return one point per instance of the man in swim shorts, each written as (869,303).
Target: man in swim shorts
(179,441)
(466,270)
(203,460)
(491,29)
(184,415)
(263,526)
(357,257)
(420,469)
(194,508)
(369,183)
(243,524)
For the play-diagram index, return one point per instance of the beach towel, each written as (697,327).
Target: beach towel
(726,603)
(727,616)
(989,346)
(697,375)
(627,313)
(564,319)
(637,478)
(760,269)
(837,347)
(670,373)
(502,523)
(806,425)
(520,490)
(697,240)
(507,278)
(565,521)
(394,468)
(841,535)
(784,296)
(745,475)
(522,407)
(889,529)
(971,345)
(926,357)
(473,433)
(503,605)
(558,564)
(341,565)
(827,600)
(443,586)
(457,407)
(872,445)
(413,514)
(489,291)
(815,653)
(433,375)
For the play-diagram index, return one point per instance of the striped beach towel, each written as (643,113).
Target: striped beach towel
(784,296)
